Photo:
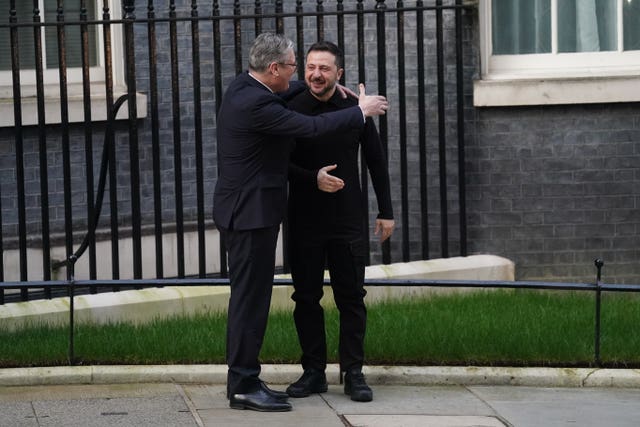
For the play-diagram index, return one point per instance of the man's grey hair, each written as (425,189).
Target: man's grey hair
(268,48)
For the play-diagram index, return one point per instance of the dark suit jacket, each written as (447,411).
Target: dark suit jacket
(256,134)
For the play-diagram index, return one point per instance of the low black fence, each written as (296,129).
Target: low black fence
(72,286)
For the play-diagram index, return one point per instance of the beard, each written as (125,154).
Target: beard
(328,88)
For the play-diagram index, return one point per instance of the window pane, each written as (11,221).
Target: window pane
(25,36)
(521,26)
(587,25)
(631,13)
(26,46)
(72,34)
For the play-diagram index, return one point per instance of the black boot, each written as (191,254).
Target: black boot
(356,387)
(311,381)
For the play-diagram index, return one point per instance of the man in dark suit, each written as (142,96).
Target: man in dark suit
(256,134)
(326,217)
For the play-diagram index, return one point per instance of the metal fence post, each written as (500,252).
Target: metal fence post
(134,156)
(71,278)
(599,263)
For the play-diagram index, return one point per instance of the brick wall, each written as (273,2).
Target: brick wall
(555,187)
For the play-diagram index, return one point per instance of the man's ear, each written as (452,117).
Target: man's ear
(273,69)
(340,72)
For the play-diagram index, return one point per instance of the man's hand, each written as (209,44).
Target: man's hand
(345,92)
(384,227)
(329,183)
(372,105)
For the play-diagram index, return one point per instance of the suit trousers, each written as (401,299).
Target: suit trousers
(346,263)
(251,267)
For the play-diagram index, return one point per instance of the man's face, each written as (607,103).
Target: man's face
(321,74)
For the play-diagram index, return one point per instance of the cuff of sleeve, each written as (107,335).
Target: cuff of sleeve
(313,177)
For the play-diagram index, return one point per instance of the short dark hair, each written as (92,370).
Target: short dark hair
(325,46)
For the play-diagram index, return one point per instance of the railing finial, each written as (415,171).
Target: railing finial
(129,7)
(599,263)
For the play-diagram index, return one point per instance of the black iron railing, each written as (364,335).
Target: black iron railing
(161,153)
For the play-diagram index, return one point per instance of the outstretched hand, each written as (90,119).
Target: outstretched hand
(372,105)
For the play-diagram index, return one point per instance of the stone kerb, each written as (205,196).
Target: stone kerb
(140,306)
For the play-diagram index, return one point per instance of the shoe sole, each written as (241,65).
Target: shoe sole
(362,399)
(356,398)
(255,408)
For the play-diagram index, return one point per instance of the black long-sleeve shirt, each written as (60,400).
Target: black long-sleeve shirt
(313,212)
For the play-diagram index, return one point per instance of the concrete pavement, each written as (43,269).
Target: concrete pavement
(403,396)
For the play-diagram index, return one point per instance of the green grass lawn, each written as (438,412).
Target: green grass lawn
(516,328)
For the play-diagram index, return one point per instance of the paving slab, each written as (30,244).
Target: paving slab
(94,406)
(17,414)
(212,407)
(421,421)
(403,400)
(551,407)
(140,412)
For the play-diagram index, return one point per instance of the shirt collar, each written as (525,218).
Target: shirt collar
(256,79)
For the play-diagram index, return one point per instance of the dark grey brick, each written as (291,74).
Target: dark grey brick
(549,187)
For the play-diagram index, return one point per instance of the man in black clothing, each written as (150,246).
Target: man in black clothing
(326,217)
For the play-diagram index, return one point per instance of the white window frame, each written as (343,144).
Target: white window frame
(74,84)
(555,78)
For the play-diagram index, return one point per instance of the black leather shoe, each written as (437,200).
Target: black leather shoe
(311,381)
(259,400)
(356,387)
(281,395)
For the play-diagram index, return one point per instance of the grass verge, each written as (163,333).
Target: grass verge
(493,328)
